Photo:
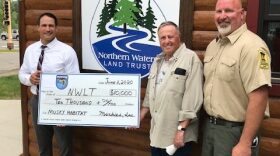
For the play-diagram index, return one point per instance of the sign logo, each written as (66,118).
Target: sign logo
(124,40)
(61,81)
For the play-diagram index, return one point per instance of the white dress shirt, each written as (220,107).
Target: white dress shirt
(58,58)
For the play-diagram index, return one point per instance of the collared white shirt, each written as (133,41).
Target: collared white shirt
(58,58)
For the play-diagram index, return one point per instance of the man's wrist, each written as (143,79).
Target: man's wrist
(245,142)
(30,80)
(181,128)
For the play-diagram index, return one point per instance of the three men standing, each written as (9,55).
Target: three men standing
(237,78)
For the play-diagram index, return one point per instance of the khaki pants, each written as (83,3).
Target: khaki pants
(218,140)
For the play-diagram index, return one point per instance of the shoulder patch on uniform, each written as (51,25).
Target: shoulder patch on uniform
(264,58)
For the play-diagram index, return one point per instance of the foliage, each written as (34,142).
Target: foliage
(14,14)
(139,14)
(149,21)
(104,19)
(107,14)
(8,51)
(9,87)
(125,14)
(15,10)
(112,8)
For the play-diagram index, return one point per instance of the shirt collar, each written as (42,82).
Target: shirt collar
(234,35)
(51,44)
(175,56)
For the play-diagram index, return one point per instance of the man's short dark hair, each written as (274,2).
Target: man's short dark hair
(49,15)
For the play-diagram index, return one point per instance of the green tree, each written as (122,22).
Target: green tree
(104,19)
(14,15)
(139,15)
(107,14)
(1,15)
(149,21)
(125,14)
(112,8)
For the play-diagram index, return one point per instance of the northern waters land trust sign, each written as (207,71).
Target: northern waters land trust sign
(120,36)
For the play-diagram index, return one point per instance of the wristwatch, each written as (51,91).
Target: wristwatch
(180,128)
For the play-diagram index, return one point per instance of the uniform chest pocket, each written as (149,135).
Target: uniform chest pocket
(207,65)
(177,82)
(226,69)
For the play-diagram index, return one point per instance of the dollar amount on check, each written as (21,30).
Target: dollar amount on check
(104,100)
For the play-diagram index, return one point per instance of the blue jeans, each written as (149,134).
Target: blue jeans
(183,151)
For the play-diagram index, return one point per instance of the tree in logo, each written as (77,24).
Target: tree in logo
(125,14)
(149,21)
(107,14)
(139,15)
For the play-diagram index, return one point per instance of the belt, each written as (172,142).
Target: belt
(219,121)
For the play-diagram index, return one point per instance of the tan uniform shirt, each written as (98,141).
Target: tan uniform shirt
(179,98)
(233,67)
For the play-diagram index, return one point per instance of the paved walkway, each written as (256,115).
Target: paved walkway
(9,63)
(10,110)
(10,128)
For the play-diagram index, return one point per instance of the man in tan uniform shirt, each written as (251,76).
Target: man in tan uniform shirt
(174,94)
(237,78)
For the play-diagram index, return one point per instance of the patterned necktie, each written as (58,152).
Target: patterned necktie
(39,65)
(41,58)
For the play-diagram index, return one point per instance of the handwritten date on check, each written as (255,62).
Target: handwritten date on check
(102,100)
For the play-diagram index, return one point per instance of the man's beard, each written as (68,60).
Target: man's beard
(224,29)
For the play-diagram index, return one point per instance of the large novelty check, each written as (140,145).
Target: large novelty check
(107,100)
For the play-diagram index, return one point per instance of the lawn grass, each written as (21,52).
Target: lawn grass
(9,87)
(8,51)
